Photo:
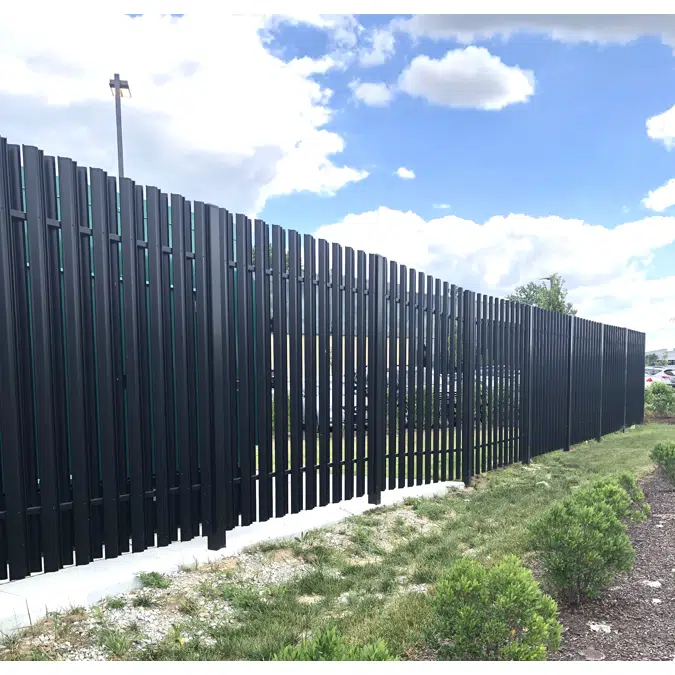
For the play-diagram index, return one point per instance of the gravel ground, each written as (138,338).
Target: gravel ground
(634,620)
(192,602)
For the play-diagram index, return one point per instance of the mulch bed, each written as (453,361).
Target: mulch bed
(633,620)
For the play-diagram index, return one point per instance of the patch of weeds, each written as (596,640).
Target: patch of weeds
(240,597)
(323,582)
(188,605)
(322,554)
(154,580)
(402,529)
(115,603)
(118,642)
(273,545)
(365,520)
(189,567)
(431,509)
(143,600)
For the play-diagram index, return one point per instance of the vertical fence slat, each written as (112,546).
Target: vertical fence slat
(104,361)
(129,233)
(295,370)
(361,365)
(204,365)
(459,386)
(477,391)
(310,382)
(158,362)
(42,356)
(279,286)
(413,418)
(245,341)
(180,372)
(13,532)
(263,366)
(443,348)
(324,376)
(419,377)
(77,433)
(404,418)
(437,400)
(393,375)
(336,371)
(428,379)
(350,379)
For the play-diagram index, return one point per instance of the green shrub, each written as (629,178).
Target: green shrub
(497,614)
(659,400)
(581,547)
(664,455)
(622,494)
(329,645)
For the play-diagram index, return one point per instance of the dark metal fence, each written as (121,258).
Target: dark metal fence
(161,382)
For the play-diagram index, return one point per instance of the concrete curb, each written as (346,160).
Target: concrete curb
(24,602)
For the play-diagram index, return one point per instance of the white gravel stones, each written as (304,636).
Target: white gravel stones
(600,627)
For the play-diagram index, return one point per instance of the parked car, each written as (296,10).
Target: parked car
(659,374)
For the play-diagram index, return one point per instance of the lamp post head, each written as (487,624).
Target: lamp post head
(123,85)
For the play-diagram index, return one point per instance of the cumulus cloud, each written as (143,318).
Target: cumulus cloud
(598,28)
(406,174)
(467,78)
(213,114)
(661,198)
(505,251)
(380,48)
(376,94)
(662,127)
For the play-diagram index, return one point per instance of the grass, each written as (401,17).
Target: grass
(154,580)
(364,576)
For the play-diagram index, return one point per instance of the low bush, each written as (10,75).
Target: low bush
(497,614)
(329,645)
(622,494)
(664,455)
(581,545)
(659,400)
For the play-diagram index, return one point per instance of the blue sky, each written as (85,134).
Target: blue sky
(533,144)
(577,149)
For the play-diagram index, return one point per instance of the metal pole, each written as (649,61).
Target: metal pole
(602,377)
(118,121)
(530,354)
(568,441)
(625,379)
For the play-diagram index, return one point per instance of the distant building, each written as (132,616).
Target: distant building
(660,354)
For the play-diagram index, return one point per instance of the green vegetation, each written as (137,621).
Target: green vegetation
(154,580)
(659,400)
(329,645)
(552,296)
(496,614)
(664,455)
(377,577)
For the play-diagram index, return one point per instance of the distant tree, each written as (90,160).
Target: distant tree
(551,296)
(651,359)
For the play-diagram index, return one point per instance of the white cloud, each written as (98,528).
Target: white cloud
(213,115)
(661,198)
(442,206)
(598,28)
(662,127)
(381,47)
(467,78)
(376,94)
(505,251)
(406,174)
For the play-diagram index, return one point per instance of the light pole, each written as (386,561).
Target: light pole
(119,89)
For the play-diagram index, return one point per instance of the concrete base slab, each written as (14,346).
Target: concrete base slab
(28,600)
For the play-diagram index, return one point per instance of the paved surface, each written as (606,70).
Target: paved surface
(24,602)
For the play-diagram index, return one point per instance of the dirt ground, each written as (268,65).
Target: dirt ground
(634,620)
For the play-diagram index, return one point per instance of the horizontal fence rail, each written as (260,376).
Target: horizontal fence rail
(173,370)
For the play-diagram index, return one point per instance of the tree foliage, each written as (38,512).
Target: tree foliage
(547,293)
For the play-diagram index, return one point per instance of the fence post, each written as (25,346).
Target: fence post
(602,376)
(377,373)
(530,359)
(570,361)
(469,359)
(625,378)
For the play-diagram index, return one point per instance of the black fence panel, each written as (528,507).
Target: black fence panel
(171,370)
